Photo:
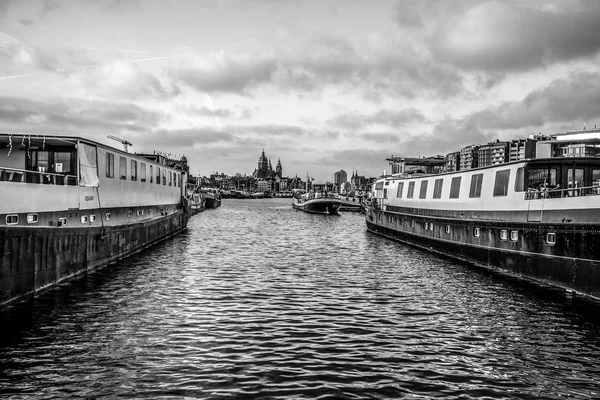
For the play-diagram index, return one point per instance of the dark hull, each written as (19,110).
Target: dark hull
(573,262)
(33,259)
(212,202)
(318,206)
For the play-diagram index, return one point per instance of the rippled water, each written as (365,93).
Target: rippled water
(258,300)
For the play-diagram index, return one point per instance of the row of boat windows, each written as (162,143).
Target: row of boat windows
(500,187)
(13,219)
(168,177)
(537,178)
(503,234)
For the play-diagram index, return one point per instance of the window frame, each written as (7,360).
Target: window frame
(438,185)
(501,177)
(400,190)
(455,187)
(476,185)
(122,168)
(134,170)
(411,190)
(423,189)
(110,165)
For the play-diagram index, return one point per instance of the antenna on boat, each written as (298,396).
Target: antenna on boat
(124,142)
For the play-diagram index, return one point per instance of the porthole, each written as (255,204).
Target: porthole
(412,223)
(503,234)
(514,235)
(12,219)
(138,212)
(476,232)
(425,225)
(32,218)
(141,212)
(92,218)
(108,216)
(447,229)
(129,214)
(62,221)
(551,238)
(431,226)
(84,219)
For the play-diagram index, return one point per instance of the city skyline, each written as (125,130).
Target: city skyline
(325,85)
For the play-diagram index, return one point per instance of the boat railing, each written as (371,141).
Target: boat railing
(323,196)
(36,177)
(557,193)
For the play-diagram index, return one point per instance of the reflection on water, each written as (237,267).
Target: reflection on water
(258,300)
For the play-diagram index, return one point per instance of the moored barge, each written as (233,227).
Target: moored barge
(70,204)
(537,219)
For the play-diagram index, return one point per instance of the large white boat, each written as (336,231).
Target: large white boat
(70,204)
(316,203)
(538,219)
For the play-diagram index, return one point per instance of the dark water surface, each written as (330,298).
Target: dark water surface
(258,300)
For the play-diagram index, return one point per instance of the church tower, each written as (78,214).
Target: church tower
(279,169)
(263,165)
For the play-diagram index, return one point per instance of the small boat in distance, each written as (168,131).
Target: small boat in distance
(351,203)
(212,197)
(316,203)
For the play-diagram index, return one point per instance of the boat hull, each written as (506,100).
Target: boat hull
(572,264)
(318,206)
(351,204)
(33,259)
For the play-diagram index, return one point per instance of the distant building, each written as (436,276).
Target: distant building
(521,149)
(469,157)
(492,153)
(359,183)
(340,177)
(265,169)
(452,162)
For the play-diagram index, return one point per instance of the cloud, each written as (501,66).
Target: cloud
(188,138)
(503,36)
(356,120)
(224,73)
(76,115)
(355,159)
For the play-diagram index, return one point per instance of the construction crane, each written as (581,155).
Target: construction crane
(124,142)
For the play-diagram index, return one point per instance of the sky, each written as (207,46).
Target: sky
(322,85)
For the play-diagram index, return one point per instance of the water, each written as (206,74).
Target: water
(258,300)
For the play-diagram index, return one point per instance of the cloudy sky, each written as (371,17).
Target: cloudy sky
(320,84)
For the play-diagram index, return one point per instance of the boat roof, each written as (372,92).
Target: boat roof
(529,162)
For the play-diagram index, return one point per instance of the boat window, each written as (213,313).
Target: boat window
(151,174)
(143,172)
(501,182)
(476,181)
(596,180)
(164,176)
(110,165)
(551,238)
(423,189)
(541,177)
(385,193)
(575,180)
(411,190)
(170,178)
(62,162)
(157,175)
(129,214)
(412,223)
(447,229)
(92,218)
(84,219)
(514,235)
(476,232)
(455,187)
(425,225)
(32,218)
(437,188)
(431,226)
(400,189)
(62,221)
(108,216)
(503,234)
(12,219)
(133,170)
(520,180)
(122,168)
(379,186)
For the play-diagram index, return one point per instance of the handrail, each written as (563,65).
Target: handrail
(17,175)
(557,193)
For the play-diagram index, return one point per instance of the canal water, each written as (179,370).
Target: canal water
(257,300)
